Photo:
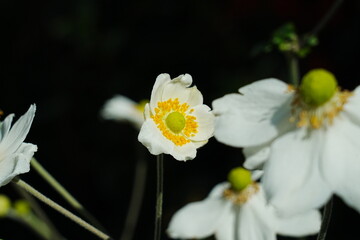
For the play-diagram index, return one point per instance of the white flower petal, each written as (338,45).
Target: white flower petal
(206,123)
(255,116)
(184,152)
(157,91)
(353,105)
(218,190)
(16,163)
(197,220)
(17,134)
(179,88)
(256,220)
(256,156)
(121,108)
(195,97)
(226,228)
(341,161)
(291,175)
(199,144)
(151,137)
(5,126)
(300,225)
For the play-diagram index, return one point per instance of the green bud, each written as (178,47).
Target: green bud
(239,178)
(22,207)
(317,87)
(5,205)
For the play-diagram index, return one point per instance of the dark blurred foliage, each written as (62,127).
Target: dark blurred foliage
(69,57)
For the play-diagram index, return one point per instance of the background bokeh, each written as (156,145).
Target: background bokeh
(69,57)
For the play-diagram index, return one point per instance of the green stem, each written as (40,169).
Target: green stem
(326,18)
(325,220)
(33,223)
(293,69)
(65,194)
(40,213)
(159,195)
(136,198)
(59,208)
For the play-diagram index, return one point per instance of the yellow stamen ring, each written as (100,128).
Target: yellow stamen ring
(315,117)
(241,197)
(174,121)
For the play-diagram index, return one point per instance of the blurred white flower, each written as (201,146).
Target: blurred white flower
(231,214)
(121,108)
(306,139)
(176,121)
(15,155)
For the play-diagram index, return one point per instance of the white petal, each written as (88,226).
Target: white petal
(179,88)
(17,134)
(121,108)
(255,116)
(151,137)
(206,123)
(199,143)
(157,91)
(256,156)
(226,228)
(341,161)
(184,152)
(5,126)
(300,225)
(256,220)
(353,105)
(197,220)
(16,163)
(218,190)
(292,173)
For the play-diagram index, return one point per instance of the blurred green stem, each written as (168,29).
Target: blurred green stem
(325,220)
(54,235)
(293,68)
(159,195)
(136,197)
(59,208)
(65,194)
(35,224)
(326,18)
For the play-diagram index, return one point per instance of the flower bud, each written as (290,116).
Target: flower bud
(22,207)
(317,87)
(239,178)
(5,205)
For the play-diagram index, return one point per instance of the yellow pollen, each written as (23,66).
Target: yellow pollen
(305,115)
(241,197)
(174,121)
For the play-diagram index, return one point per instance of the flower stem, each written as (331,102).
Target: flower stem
(325,220)
(59,208)
(326,18)
(159,195)
(293,68)
(39,213)
(65,194)
(136,197)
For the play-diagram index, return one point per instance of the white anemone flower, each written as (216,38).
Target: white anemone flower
(244,214)
(176,120)
(121,108)
(15,155)
(305,139)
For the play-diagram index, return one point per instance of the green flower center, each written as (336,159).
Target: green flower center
(175,121)
(239,178)
(317,87)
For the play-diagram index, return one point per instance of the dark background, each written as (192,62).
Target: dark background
(69,57)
